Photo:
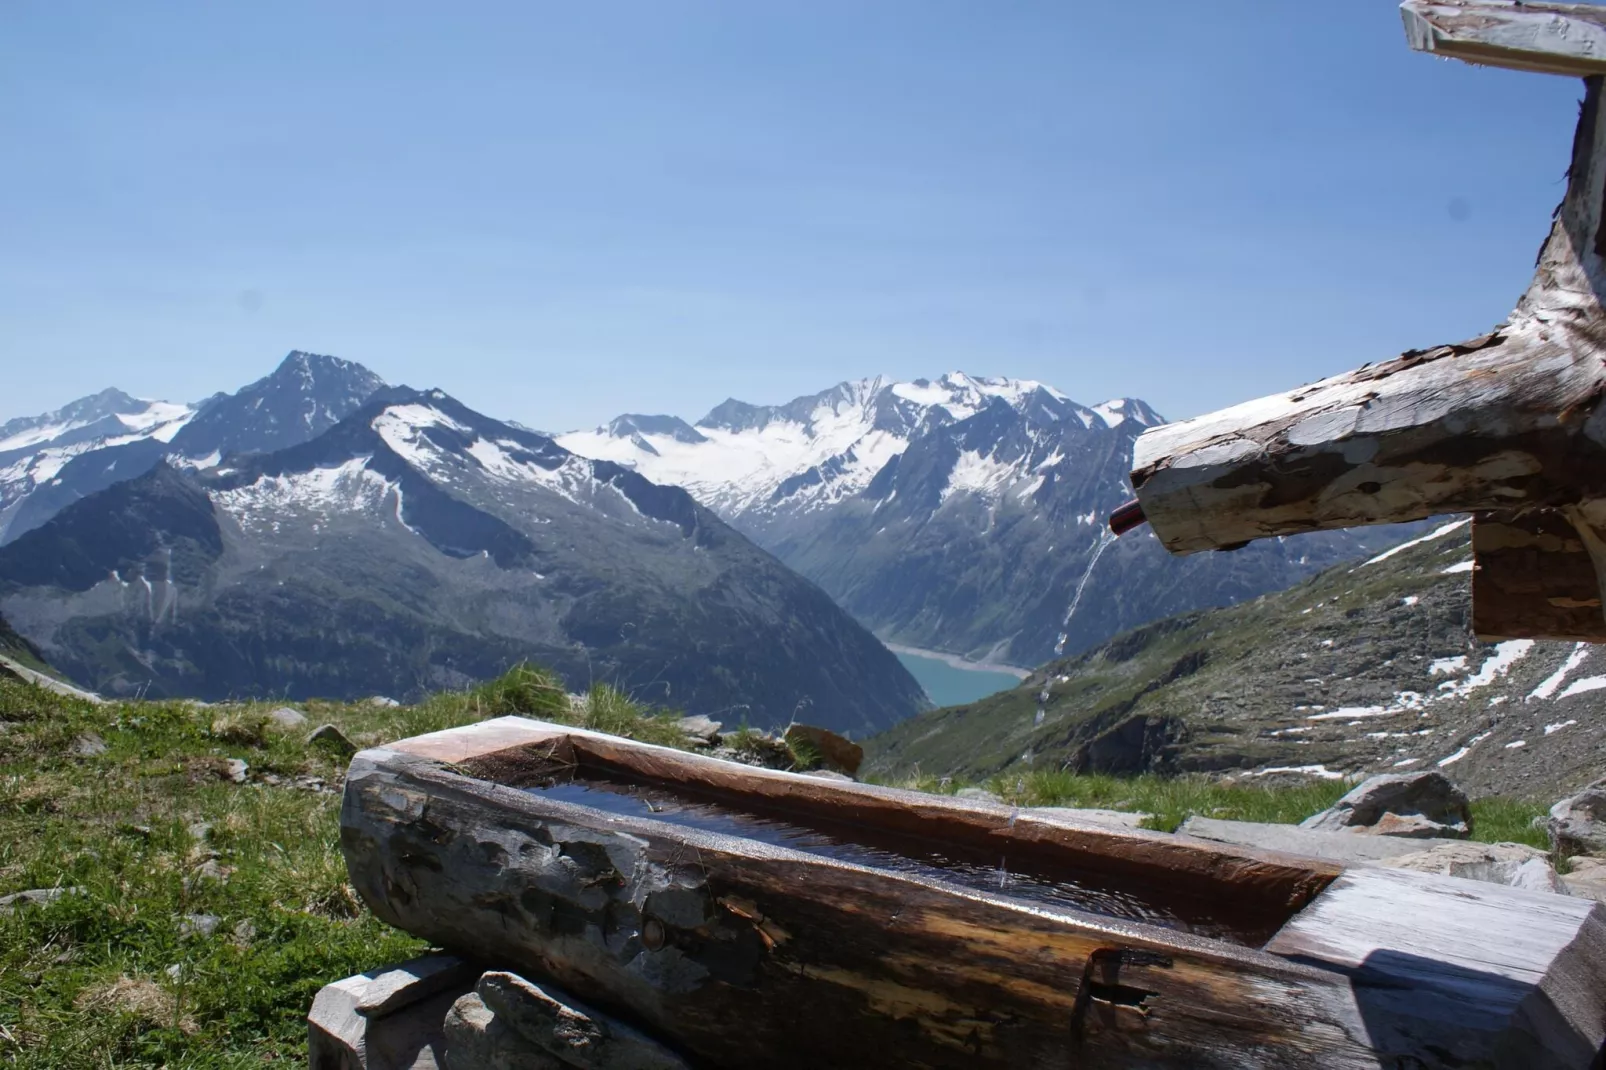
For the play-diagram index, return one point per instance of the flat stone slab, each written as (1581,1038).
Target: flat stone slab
(1118,819)
(1342,847)
(387,1019)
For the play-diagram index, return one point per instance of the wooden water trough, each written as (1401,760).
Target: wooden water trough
(754,918)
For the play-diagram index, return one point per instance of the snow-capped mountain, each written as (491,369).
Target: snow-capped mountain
(47,462)
(754,464)
(957,514)
(417,544)
(35,449)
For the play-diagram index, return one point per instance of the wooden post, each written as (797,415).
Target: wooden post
(1509,423)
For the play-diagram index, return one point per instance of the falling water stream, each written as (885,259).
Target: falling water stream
(1106,537)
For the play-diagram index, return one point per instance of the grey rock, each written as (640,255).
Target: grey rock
(202,925)
(175,972)
(1586,878)
(238,770)
(200,830)
(244,933)
(386,1019)
(836,751)
(700,727)
(210,870)
(1345,847)
(286,719)
(1515,865)
(1577,824)
(479,1039)
(977,795)
(562,1027)
(329,736)
(1118,819)
(35,897)
(89,745)
(383,702)
(1415,805)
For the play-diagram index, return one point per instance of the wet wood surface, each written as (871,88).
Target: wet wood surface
(743,954)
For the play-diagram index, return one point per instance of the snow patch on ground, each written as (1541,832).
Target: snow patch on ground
(1460,566)
(1579,687)
(321,492)
(1436,533)
(1548,688)
(1309,770)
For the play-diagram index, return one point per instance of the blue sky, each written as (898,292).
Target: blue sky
(560,212)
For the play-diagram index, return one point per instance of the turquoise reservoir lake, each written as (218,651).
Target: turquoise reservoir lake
(948,684)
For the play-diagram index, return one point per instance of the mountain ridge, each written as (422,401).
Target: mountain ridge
(419,541)
(954,514)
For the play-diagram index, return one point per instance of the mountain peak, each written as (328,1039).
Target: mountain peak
(1118,411)
(307,394)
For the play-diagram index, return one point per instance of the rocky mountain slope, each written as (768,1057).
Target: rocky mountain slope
(956,514)
(48,462)
(1366,668)
(417,545)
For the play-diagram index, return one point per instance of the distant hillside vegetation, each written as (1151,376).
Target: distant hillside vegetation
(1366,668)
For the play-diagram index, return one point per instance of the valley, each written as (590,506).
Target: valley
(951,681)
(1367,668)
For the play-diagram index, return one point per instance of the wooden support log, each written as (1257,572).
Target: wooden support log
(742,954)
(1533,579)
(1506,423)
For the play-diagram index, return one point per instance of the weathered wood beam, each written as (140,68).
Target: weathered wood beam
(1567,39)
(1507,422)
(1533,579)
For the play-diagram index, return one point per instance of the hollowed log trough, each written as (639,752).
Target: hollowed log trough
(742,953)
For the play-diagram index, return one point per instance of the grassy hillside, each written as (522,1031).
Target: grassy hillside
(210,903)
(1365,668)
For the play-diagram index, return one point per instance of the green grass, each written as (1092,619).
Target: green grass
(1173,800)
(107,978)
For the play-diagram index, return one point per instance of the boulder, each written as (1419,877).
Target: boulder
(1413,805)
(88,745)
(386,1019)
(1515,865)
(836,752)
(34,897)
(1117,819)
(1577,824)
(286,719)
(1586,878)
(700,728)
(238,769)
(329,736)
(978,795)
(567,1030)
(1342,847)
(201,925)
(478,1039)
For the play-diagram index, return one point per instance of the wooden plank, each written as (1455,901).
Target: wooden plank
(743,954)
(1520,975)
(1567,39)
(1533,579)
